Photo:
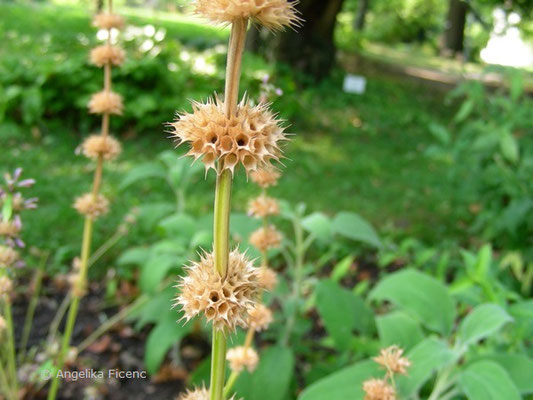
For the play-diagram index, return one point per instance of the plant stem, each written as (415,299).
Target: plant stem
(441,384)
(54,325)
(73,310)
(12,366)
(223,202)
(38,278)
(229,385)
(5,384)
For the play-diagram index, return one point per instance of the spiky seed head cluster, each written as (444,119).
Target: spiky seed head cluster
(266,238)
(92,206)
(391,358)
(108,21)
(378,389)
(242,357)
(99,145)
(259,317)
(265,177)
(106,102)
(267,277)
(263,206)
(9,228)
(224,300)
(6,285)
(8,256)
(272,14)
(251,138)
(107,54)
(198,394)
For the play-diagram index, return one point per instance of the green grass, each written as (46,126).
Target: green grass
(360,153)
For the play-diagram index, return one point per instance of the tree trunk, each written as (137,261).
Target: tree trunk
(360,18)
(311,48)
(455,27)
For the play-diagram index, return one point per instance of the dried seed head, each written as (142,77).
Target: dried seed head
(10,228)
(266,238)
(272,14)
(196,394)
(107,54)
(263,206)
(106,102)
(108,21)
(8,256)
(92,206)
(241,357)
(6,285)
(99,145)
(378,389)
(251,138)
(259,317)
(78,288)
(224,300)
(268,279)
(265,177)
(391,358)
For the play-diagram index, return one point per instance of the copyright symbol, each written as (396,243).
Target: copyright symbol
(46,374)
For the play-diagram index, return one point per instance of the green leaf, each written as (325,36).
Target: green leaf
(420,295)
(165,334)
(242,226)
(344,384)
(519,367)
(150,312)
(466,109)
(342,268)
(482,263)
(426,358)
(509,147)
(143,172)
(482,322)
(134,256)
(486,380)
(397,328)
(7,208)
(151,214)
(155,270)
(319,225)
(440,133)
(352,226)
(178,225)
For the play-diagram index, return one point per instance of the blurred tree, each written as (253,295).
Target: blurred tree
(360,18)
(454,31)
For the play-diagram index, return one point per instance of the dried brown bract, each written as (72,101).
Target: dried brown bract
(8,256)
(263,206)
(224,300)
(108,21)
(378,389)
(92,206)
(259,317)
(266,238)
(96,146)
(9,228)
(272,14)
(242,357)
(107,54)
(268,278)
(265,177)
(391,358)
(251,138)
(106,102)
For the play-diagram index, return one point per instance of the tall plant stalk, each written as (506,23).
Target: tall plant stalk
(222,205)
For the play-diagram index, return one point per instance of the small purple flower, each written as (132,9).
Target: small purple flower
(266,78)
(279,92)
(31,203)
(26,183)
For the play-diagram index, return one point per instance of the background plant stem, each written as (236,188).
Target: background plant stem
(12,366)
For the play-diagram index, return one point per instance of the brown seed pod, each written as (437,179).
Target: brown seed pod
(8,256)
(108,21)
(251,138)
(92,206)
(259,317)
(272,14)
(378,389)
(265,177)
(267,238)
(107,54)
(263,206)
(241,357)
(224,300)
(391,358)
(268,279)
(99,145)
(106,102)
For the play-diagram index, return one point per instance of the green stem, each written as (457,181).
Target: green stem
(12,366)
(54,325)
(442,384)
(218,365)
(73,310)
(229,385)
(221,221)
(5,389)
(38,279)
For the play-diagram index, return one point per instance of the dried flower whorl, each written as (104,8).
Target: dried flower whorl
(267,277)
(197,394)
(266,238)
(106,103)
(378,389)
(265,177)
(99,145)
(6,285)
(391,358)
(259,317)
(108,21)
(92,206)
(224,300)
(8,256)
(107,54)
(10,228)
(78,287)
(251,138)
(263,206)
(241,357)
(272,14)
